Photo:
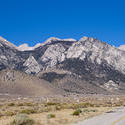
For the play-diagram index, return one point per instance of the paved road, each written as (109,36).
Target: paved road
(117,117)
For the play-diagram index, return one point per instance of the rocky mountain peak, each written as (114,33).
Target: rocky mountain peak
(7,43)
(70,39)
(31,65)
(87,39)
(51,40)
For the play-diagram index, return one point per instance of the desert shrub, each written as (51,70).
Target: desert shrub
(51,103)
(83,105)
(9,113)
(28,104)
(77,112)
(86,110)
(77,106)
(28,111)
(94,110)
(20,104)
(46,109)
(119,104)
(11,104)
(22,119)
(58,107)
(51,116)
(1,114)
(1,105)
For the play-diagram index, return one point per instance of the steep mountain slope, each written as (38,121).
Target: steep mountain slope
(84,66)
(90,59)
(71,82)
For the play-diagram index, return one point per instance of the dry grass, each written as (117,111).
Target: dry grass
(55,112)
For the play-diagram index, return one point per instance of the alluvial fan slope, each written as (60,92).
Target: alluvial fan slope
(19,83)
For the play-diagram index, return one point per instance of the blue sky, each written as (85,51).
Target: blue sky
(33,21)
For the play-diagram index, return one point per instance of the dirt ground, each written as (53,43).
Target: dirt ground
(63,117)
(53,112)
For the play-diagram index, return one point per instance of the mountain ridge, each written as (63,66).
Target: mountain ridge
(70,65)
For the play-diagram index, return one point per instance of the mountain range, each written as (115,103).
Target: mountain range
(62,66)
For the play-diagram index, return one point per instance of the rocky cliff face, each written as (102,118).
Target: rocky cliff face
(87,59)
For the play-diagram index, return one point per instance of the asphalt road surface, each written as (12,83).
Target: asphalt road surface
(116,117)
